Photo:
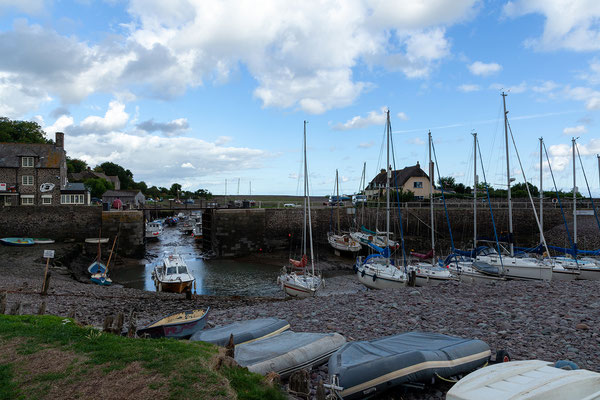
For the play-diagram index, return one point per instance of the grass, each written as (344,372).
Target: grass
(43,353)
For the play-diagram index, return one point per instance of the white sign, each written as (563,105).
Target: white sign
(584,212)
(48,253)
(46,187)
(3,187)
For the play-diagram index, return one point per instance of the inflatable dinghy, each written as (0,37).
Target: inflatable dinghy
(288,352)
(529,379)
(363,369)
(242,331)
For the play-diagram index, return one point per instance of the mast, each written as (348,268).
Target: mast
(574,199)
(541,191)
(337,185)
(598,156)
(475,190)
(431,201)
(387,182)
(362,190)
(510,222)
(304,162)
(312,255)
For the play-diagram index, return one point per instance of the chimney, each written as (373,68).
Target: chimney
(382,171)
(418,165)
(59,140)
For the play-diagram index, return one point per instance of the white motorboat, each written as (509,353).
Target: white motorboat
(300,281)
(430,275)
(172,275)
(527,380)
(154,230)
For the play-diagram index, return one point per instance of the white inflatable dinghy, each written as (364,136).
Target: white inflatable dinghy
(527,380)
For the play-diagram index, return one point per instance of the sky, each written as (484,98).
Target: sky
(213,94)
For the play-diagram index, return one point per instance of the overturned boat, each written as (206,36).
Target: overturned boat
(288,352)
(363,369)
(180,325)
(528,379)
(243,331)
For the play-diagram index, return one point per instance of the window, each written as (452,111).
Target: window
(72,199)
(27,162)
(418,197)
(27,200)
(418,185)
(46,199)
(27,180)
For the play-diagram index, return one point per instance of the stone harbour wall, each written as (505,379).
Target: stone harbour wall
(129,226)
(240,232)
(55,222)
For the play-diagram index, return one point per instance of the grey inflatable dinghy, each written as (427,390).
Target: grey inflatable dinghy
(288,352)
(363,369)
(242,331)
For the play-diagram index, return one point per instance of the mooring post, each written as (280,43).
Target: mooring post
(46,285)
(3,303)
(132,324)
(16,309)
(42,309)
(119,323)
(107,325)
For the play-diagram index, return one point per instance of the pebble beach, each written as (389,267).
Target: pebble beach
(531,320)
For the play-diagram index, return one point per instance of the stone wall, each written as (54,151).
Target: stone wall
(55,222)
(240,232)
(129,225)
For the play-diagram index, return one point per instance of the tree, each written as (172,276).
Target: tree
(21,132)
(203,194)
(175,189)
(97,186)
(112,169)
(520,190)
(447,182)
(75,165)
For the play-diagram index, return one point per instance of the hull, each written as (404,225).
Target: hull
(96,267)
(589,273)
(17,241)
(373,280)
(564,275)
(428,275)
(243,331)
(466,273)
(180,325)
(301,286)
(520,268)
(344,243)
(173,287)
(101,279)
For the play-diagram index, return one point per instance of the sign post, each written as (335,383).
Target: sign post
(48,254)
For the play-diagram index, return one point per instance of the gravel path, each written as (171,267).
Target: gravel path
(532,320)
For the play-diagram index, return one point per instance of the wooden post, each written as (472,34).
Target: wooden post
(42,309)
(132,324)
(3,303)
(119,324)
(15,309)
(230,348)
(46,283)
(107,325)
(44,290)
(71,314)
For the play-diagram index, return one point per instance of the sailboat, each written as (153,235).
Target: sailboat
(430,274)
(527,268)
(299,281)
(461,262)
(378,271)
(338,240)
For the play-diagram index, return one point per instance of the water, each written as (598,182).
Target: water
(213,277)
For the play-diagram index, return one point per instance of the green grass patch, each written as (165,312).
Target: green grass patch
(180,369)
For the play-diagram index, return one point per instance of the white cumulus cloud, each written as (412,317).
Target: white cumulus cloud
(575,130)
(358,122)
(469,88)
(482,69)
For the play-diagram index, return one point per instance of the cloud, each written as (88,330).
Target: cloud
(561,154)
(590,96)
(358,122)
(469,88)
(416,140)
(570,25)
(221,140)
(156,159)
(366,145)
(482,69)
(60,111)
(574,131)
(170,129)
(27,6)
(402,116)
(545,87)
(593,76)
(114,119)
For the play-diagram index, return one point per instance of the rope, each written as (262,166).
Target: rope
(587,184)
(437,167)
(445,379)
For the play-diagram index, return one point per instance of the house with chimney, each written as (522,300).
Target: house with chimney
(32,174)
(409,179)
(91,174)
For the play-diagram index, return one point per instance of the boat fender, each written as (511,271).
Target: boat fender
(566,364)
(160,287)
(374,277)
(362,273)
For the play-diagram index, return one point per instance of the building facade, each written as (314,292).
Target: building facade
(409,179)
(129,198)
(32,174)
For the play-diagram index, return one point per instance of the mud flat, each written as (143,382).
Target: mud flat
(532,320)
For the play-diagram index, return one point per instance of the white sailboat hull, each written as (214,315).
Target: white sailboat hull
(381,277)
(344,243)
(466,273)
(428,275)
(301,286)
(520,268)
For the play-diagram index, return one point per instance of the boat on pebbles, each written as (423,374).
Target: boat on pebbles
(180,325)
(172,275)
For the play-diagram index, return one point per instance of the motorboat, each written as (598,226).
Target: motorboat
(154,230)
(172,275)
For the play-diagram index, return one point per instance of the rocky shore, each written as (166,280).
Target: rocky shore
(531,320)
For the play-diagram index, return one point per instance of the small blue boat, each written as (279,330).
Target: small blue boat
(97,267)
(101,278)
(179,325)
(17,241)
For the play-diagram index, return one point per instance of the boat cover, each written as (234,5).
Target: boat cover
(242,331)
(368,368)
(287,352)
(486,268)
(527,380)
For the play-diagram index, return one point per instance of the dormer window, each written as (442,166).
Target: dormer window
(27,162)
